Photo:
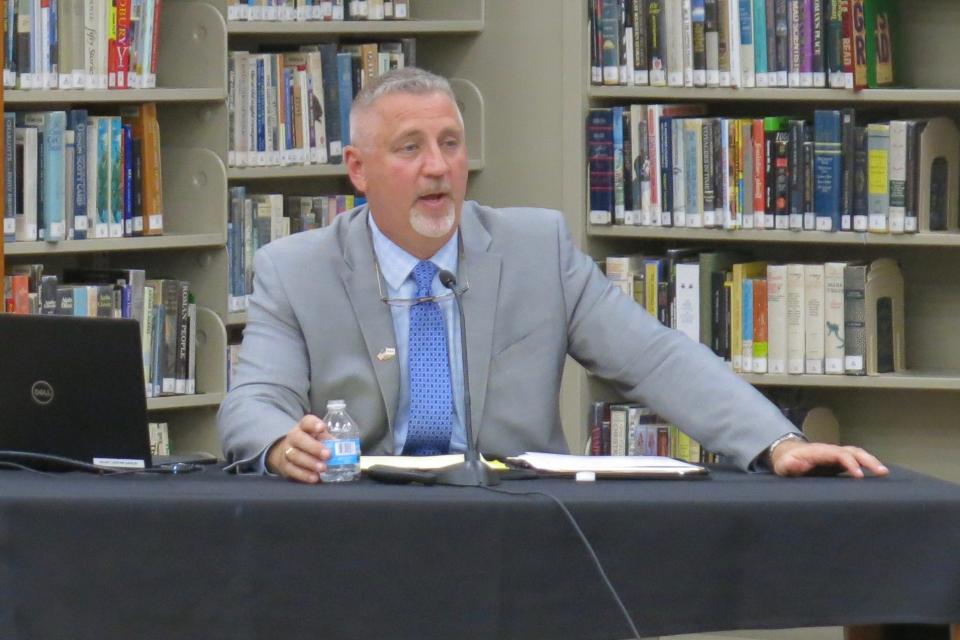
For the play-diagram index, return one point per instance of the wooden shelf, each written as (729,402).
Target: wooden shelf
(929,239)
(917,380)
(165,403)
(147,243)
(302,171)
(108,96)
(358,27)
(826,96)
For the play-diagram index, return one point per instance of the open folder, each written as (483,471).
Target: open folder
(555,464)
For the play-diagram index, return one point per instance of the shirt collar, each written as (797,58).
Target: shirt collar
(396,263)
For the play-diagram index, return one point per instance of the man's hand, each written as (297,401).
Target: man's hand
(300,455)
(798,458)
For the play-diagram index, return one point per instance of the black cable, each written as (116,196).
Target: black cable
(586,544)
(4,464)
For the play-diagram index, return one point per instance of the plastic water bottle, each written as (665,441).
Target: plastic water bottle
(344,445)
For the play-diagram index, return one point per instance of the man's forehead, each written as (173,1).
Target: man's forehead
(402,109)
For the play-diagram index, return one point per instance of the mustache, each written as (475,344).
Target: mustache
(440,187)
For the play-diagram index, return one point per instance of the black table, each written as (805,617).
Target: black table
(214,556)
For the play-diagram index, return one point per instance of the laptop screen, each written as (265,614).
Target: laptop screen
(73,387)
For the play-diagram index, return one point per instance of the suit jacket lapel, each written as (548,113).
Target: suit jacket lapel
(482,270)
(373,316)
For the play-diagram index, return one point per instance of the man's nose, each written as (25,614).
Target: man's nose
(434,162)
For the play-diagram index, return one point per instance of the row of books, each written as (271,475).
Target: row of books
(258,219)
(629,429)
(833,318)
(81,44)
(844,44)
(164,308)
(70,175)
(294,107)
(672,165)
(327,10)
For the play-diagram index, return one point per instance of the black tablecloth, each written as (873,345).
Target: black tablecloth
(214,556)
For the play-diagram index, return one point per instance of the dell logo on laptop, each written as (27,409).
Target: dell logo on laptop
(41,392)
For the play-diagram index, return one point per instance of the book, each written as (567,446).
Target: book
(833,302)
(813,304)
(796,314)
(777,319)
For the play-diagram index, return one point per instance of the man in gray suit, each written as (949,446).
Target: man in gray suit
(356,311)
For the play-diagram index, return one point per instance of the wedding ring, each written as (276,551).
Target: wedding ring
(288,452)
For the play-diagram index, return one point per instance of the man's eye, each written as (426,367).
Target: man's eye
(409,148)
(453,143)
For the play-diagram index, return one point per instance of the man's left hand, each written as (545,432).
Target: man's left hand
(798,458)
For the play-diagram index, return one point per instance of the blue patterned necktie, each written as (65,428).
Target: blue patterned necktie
(431,402)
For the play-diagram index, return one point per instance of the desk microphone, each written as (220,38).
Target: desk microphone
(472,472)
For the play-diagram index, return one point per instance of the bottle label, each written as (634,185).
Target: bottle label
(344,452)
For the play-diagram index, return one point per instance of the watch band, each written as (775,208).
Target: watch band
(792,435)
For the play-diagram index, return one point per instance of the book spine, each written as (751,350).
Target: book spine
(674,168)
(698,19)
(806,43)
(813,299)
(747,57)
(834,43)
(795,48)
(819,44)
(618,191)
(673,37)
(600,163)
(860,180)
(782,27)
(878,184)
(656,17)
(746,319)
(833,317)
(11,177)
(707,172)
(771,18)
(759,174)
(911,189)
(116,178)
(723,42)
(796,352)
(760,326)
(78,123)
(760,43)
(828,161)
(848,151)
(897,176)
(55,124)
(686,29)
(854,319)
(858,35)
(610,41)
(809,216)
(795,173)
(328,62)
(129,161)
(712,42)
(777,318)
(151,70)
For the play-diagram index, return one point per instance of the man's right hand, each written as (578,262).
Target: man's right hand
(301,455)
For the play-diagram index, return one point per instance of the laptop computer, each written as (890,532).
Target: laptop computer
(73,387)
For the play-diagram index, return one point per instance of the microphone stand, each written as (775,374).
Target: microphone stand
(472,472)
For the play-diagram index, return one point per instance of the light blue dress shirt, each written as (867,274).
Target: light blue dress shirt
(396,266)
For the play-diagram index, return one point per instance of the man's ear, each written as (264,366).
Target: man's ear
(353,158)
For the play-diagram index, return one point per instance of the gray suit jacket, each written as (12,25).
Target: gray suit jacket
(316,324)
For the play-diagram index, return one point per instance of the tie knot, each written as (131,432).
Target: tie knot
(423,275)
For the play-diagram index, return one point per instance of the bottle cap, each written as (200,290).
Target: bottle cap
(336,405)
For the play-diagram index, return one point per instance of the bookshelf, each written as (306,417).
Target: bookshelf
(907,418)
(193,247)
(440,29)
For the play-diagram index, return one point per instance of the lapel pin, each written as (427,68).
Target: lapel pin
(387,353)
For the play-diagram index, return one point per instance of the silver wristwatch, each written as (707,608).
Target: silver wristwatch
(767,456)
